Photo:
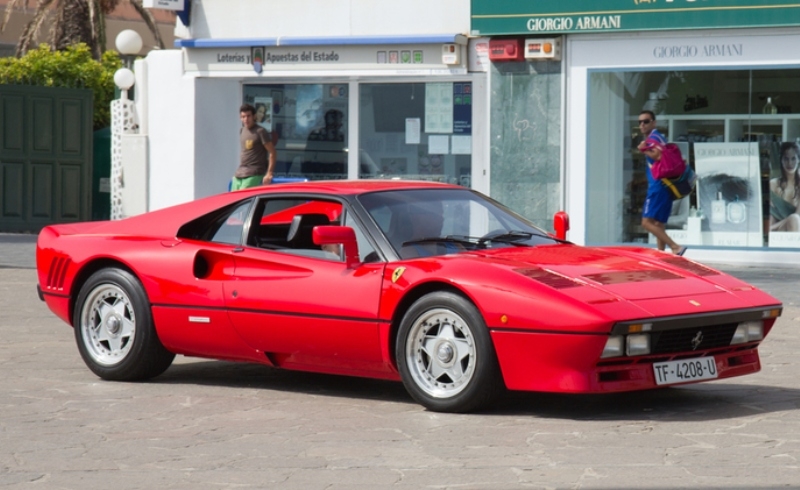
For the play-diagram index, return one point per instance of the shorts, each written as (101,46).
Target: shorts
(246,182)
(658,204)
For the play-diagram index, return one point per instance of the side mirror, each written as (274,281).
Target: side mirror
(339,235)
(561,224)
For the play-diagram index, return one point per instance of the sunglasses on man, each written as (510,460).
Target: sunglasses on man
(645,121)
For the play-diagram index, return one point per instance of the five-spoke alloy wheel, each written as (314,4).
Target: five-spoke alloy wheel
(445,355)
(114,328)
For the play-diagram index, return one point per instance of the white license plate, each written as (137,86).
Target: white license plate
(686,370)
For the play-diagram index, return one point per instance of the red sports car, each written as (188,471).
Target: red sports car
(432,284)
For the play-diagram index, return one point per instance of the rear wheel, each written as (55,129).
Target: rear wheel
(445,355)
(114,328)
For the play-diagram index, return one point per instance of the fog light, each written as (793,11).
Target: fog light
(613,347)
(638,345)
(748,332)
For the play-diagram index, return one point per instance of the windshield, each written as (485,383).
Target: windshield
(428,222)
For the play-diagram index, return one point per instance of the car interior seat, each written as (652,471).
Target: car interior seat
(301,228)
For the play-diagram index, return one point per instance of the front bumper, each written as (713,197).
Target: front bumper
(559,363)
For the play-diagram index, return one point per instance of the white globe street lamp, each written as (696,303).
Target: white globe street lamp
(129,44)
(124,79)
(123,124)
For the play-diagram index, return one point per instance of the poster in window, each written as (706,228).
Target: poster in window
(729,193)
(784,195)
(439,107)
(263,107)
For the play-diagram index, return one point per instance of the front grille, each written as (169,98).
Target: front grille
(692,339)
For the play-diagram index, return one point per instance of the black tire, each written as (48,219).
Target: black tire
(445,355)
(114,328)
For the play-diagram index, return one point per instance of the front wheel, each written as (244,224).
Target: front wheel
(114,328)
(445,354)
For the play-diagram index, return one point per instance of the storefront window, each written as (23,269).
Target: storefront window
(417,131)
(308,123)
(407,130)
(738,129)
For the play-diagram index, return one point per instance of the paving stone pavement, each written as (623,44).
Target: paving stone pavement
(216,425)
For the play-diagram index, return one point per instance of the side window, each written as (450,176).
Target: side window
(287,224)
(366,252)
(222,226)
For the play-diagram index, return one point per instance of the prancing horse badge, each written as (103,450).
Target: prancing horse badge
(397,273)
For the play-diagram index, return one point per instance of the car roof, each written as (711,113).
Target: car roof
(166,221)
(348,187)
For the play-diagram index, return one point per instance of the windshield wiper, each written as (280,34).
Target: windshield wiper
(442,239)
(510,236)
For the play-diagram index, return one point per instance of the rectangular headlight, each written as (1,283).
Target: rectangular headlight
(614,347)
(748,332)
(638,344)
(755,331)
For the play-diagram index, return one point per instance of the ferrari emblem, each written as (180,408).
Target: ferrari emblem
(397,273)
(248,144)
(697,340)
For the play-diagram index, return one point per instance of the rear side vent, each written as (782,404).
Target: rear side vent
(690,266)
(57,273)
(555,281)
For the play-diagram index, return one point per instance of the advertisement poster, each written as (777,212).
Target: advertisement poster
(729,193)
(309,110)
(439,107)
(263,107)
(784,198)
(462,108)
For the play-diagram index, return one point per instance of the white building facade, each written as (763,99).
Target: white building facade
(463,91)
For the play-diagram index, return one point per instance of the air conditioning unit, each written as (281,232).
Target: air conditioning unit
(543,49)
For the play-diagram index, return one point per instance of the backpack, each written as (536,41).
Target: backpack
(671,165)
(683,185)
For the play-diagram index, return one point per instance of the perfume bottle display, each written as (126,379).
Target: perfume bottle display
(736,212)
(718,211)
(769,107)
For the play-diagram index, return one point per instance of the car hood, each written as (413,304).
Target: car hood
(632,274)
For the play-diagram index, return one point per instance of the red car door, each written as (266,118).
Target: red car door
(189,280)
(307,312)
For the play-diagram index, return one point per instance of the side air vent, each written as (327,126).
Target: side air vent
(555,281)
(690,266)
(57,273)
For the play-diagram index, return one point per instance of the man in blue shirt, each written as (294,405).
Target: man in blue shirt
(658,204)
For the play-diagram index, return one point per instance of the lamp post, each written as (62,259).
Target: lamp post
(129,44)
(123,119)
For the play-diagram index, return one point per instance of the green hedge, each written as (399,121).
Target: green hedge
(73,67)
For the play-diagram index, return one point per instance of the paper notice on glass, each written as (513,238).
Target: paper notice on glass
(438,145)
(413,125)
(439,107)
(461,144)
